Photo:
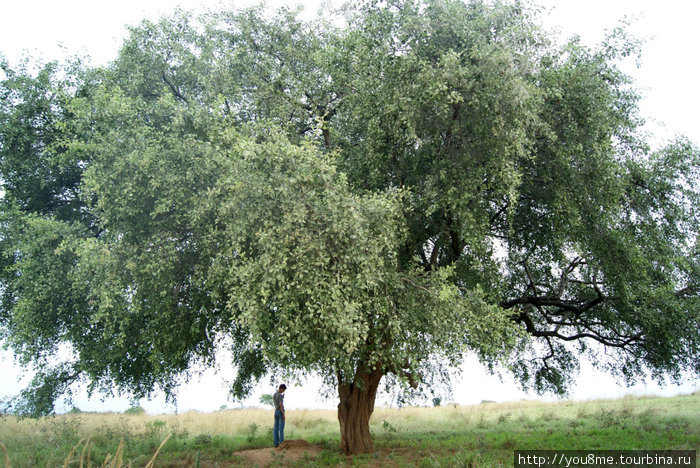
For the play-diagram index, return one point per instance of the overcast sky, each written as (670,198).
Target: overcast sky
(52,29)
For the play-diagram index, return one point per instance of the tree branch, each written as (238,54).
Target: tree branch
(174,89)
(418,286)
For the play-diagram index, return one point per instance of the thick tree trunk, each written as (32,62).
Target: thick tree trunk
(354,410)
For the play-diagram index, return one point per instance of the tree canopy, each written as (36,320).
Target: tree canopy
(366,201)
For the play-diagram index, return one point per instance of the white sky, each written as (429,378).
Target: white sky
(668,76)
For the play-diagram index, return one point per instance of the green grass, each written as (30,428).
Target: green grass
(479,436)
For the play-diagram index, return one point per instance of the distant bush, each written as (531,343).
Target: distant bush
(267,399)
(437,401)
(136,409)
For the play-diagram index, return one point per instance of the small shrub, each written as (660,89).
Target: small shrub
(503,418)
(251,432)
(582,412)
(154,429)
(610,418)
(437,401)
(386,425)
(574,423)
(203,439)
(549,416)
(62,430)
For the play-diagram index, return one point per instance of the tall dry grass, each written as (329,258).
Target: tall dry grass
(304,422)
(250,427)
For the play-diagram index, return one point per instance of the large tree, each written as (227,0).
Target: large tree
(367,202)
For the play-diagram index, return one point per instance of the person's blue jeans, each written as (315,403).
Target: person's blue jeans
(278,429)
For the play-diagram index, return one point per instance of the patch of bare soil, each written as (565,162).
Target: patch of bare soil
(288,452)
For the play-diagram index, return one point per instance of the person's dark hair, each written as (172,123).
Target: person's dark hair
(283,387)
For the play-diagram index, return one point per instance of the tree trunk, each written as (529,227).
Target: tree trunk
(354,410)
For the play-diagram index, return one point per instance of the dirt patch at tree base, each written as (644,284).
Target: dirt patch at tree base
(289,451)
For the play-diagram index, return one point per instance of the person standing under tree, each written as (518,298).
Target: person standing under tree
(278,429)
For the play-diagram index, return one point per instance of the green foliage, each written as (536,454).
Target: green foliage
(431,179)
(202,440)
(266,399)
(135,409)
(155,428)
(252,432)
(387,427)
(39,174)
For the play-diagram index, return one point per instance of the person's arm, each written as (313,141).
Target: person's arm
(282,409)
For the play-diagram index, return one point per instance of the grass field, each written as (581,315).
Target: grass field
(480,436)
